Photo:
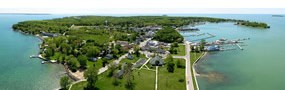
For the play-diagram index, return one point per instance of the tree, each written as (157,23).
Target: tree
(73,64)
(82,61)
(64,82)
(49,52)
(130,85)
(170,63)
(115,82)
(92,51)
(202,45)
(192,48)
(171,50)
(170,66)
(179,64)
(137,52)
(112,68)
(169,35)
(92,76)
(175,44)
(104,62)
(174,51)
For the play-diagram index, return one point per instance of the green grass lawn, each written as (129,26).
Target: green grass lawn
(193,57)
(170,81)
(144,80)
(98,64)
(180,50)
(79,86)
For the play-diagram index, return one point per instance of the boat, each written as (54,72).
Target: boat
(43,62)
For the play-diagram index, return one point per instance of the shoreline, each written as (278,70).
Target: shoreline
(66,70)
(194,71)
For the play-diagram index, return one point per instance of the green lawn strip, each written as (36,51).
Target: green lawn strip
(193,57)
(170,81)
(180,50)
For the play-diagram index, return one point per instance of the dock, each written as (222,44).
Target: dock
(34,56)
(239,46)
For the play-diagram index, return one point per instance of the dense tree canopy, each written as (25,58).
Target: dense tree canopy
(168,35)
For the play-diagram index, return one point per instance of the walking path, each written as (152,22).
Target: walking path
(156,71)
(189,83)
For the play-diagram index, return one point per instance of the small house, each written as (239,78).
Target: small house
(130,56)
(93,59)
(139,63)
(160,51)
(119,74)
(152,43)
(109,56)
(156,61)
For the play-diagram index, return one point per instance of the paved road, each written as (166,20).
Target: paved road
(189,83)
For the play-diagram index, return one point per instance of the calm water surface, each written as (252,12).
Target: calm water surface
(260,66)
(18,71)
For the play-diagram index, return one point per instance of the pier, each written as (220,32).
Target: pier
(239,46)
(34,56)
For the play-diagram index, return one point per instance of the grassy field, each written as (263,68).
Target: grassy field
(180,50)
(144,80)
(170,81)
(79,86)
(193,57)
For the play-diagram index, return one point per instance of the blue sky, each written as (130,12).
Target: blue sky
(143,6)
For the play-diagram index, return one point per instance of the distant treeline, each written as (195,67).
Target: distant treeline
(61,25)
(253,24)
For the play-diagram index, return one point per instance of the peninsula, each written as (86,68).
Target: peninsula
(132,52)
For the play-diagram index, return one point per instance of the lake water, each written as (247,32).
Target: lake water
(260,66)
(18,71)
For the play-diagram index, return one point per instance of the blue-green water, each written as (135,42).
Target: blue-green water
(260,66)
(18,71)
